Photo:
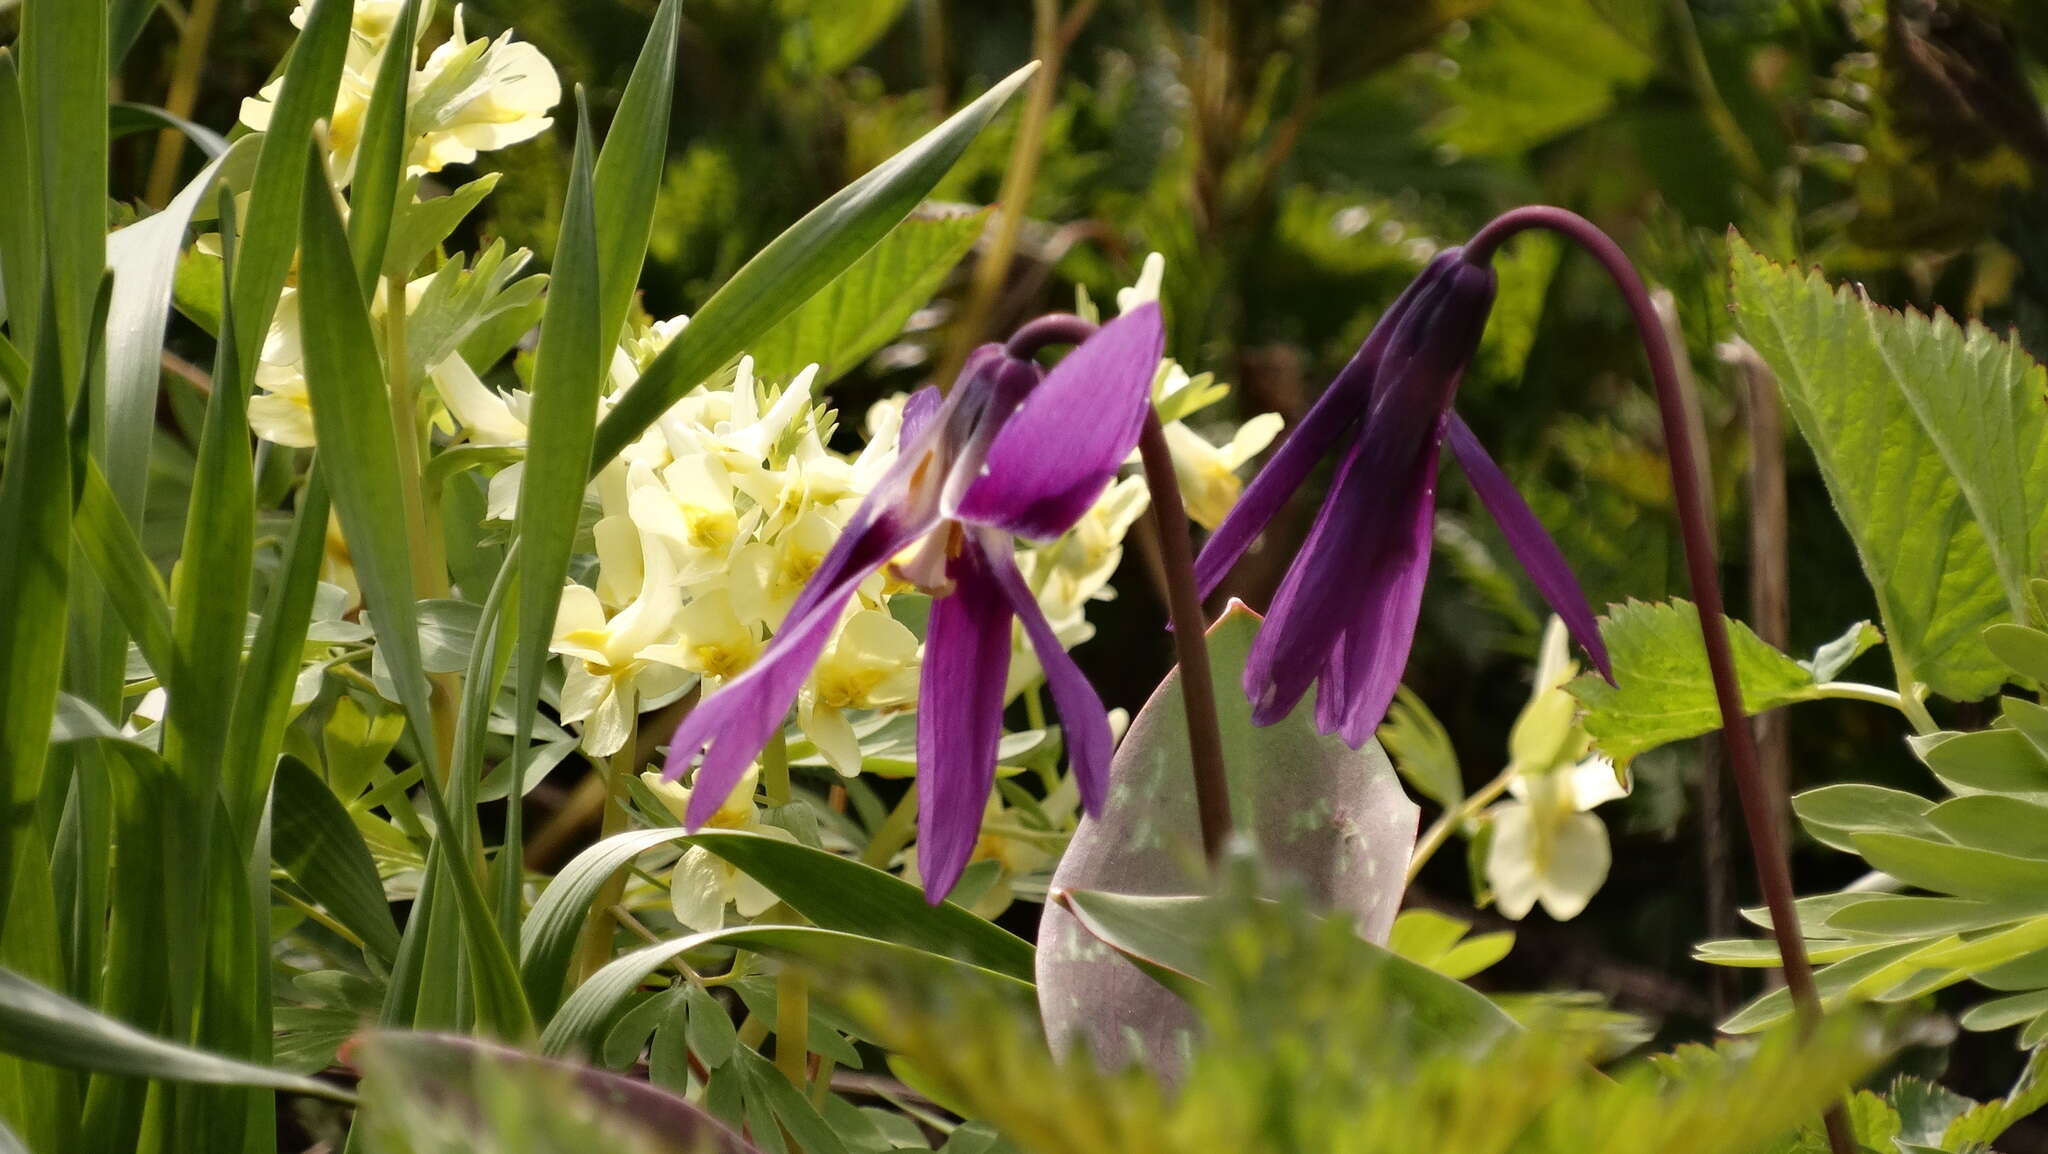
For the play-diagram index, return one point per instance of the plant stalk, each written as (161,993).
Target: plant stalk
(1774,873)
(1183,599)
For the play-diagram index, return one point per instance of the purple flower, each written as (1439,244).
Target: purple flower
(1009,452)
(1345,613)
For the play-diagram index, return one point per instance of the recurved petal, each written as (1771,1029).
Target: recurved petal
(1314,437)
(1532,546)
(1364,669)
(1058,452)
(1085,721)
(959,718)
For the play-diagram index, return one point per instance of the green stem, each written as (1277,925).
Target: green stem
(1452,819)
(894,832)
(597,927)
(793,1027)
(1857,691)
(775,770)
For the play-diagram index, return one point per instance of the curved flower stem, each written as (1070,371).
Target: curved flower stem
(1448,822)
(1183,601)
(1774,874)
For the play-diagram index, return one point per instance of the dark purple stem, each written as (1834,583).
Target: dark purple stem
(1774,873)
(1183,602)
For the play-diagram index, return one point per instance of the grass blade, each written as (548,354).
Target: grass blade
(796,265)
(64,89)
(380,156)
(44,1026)
(107,541)
(21,242)
(629,170)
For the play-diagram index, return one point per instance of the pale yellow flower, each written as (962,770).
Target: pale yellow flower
(702,884)
(612,661)
(1207,474)
(870,664)
(475,96)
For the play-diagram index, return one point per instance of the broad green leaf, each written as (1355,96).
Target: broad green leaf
(1990,821)
(867,304)
(2023,650)
(1988,761)
(1944,868)
(628,172)
(64,90)
(1933,440)
(144,257)
(1663,691)
(580,1023)
(836,893)
(1168,936)
(1833,813)
(1534,69)
(317,843)
(45,1026)
(1331,818)
(794,266)
(446,1094)
(375,186)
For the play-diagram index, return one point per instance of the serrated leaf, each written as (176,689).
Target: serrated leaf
(1663,690)
(867,304)
(1933,440)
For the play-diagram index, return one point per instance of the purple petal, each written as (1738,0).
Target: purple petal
(1089,743)
(737,721)
(1364,669)
(959,717)
(1339,408)
(1346,609)
(918,410)
(1056,454)
(1532,546)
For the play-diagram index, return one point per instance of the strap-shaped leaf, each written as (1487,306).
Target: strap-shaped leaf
(794,266)
(629,170)
(45,1026)
(64,92)
(318,844)
(380,156)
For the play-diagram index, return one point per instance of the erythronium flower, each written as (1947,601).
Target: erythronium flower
(1345,613)
(1009,452)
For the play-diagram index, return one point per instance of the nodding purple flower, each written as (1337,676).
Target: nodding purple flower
(1010,451)
(1345,614)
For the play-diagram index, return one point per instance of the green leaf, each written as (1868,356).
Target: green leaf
(379,174)
(1989,761)
(1945,868)
(1990,821)
(418,228)
(1830,659)
(144,257)
(1663,691)
(627,177)
(1168,937)
(794,266)
(1431,939)
(825,36)
(45,1026)
(107,541)
(21,242)
(35,505)
(270,233)
(64,90)
(478,1096)
(126,119)
(2022,649)
(1422,751)
(865,306)
(1906,916)
(1534,69)
(835,892)
(1933,440)
(317,843)
(1833,813)
(581,1022)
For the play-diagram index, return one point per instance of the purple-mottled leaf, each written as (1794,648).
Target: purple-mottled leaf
(1058,452)
(1335,818)
(1314,437)
(1082,716)
(959,717)
(1539,555)
(417,1076)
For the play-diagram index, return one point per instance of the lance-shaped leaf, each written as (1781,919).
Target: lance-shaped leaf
(1933,440)
(627,177)
(795,266)
(1334,818)
(64,93)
